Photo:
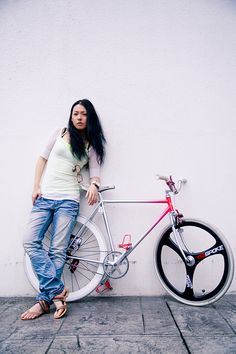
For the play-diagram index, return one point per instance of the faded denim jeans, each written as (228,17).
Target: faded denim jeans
(48,266)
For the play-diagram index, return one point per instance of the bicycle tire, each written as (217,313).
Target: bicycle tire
(202,283)
(83,278)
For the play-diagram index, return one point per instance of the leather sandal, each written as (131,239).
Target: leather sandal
(32,315)
(60,298)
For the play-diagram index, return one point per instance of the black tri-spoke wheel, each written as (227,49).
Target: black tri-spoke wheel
(207,274)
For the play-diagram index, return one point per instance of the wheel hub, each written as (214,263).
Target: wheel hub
(190,261)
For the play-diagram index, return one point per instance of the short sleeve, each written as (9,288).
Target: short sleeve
(94,167)
(48,147)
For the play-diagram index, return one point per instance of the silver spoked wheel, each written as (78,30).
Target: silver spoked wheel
(209,272)
(83,270)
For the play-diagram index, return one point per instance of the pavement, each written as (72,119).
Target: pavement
(124,325)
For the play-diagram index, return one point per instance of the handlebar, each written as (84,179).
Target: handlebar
(171,184)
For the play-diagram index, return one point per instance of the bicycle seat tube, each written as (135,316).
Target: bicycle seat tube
(107,226)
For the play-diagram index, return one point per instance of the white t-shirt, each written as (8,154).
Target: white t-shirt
(59,181)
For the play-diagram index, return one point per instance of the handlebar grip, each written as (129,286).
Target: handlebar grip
(184,180)
(163,178)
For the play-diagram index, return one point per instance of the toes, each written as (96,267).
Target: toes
(34,312)
(23,315)
(29,316)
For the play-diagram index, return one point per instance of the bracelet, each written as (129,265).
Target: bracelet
(97,184)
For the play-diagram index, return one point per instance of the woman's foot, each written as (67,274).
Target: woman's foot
(61,309)
(60,303)
(35,311)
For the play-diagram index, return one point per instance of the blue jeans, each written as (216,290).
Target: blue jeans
(48,266)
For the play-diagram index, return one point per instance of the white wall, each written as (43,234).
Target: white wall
(161,74)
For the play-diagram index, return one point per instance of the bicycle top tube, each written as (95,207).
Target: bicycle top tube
(135,201)
(167,201)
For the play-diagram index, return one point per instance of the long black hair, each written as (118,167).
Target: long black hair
(93,133)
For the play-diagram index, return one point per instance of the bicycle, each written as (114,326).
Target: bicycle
(193,260)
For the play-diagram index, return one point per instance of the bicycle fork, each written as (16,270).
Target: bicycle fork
(176,232)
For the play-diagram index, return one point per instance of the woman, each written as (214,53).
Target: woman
(56,201)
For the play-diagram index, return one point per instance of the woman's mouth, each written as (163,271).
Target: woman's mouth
(80,125)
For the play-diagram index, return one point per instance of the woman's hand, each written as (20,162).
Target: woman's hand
(40,166)
(36,194)
(92,194)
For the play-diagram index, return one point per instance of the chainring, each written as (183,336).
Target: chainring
(113,269)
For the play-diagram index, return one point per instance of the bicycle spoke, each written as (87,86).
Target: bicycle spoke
(86,241)
(72,284)
(88,270)
(77,281)
(81,273)
(210,252)
(188,292)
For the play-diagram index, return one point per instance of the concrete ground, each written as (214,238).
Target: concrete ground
(121,325)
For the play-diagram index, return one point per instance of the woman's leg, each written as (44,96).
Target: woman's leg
(49,266)
(63,223)
(40,219)
(62,226)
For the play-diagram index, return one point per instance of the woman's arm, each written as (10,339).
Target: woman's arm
(94,172)
(41,163)
(40,166)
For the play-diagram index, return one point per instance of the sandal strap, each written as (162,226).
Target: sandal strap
(62,307)
(44,306)
(62,296)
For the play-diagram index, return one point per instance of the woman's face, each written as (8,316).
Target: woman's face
(79,117)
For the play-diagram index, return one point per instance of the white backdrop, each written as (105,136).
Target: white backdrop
(161,74)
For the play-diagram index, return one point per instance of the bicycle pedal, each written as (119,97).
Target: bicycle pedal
(125,246)
(101,288)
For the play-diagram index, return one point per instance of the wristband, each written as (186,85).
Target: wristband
(97,184)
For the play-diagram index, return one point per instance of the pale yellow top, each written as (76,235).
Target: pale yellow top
(59,181)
